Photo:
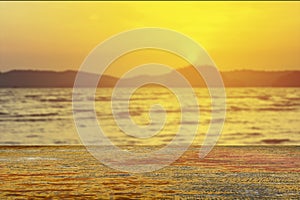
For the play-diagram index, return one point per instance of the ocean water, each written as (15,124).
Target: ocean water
(254,116)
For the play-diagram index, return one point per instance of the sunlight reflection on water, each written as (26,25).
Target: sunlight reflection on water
(254,116)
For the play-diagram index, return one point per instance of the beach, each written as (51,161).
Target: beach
(230,172)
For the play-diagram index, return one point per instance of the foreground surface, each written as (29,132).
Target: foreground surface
(227,172)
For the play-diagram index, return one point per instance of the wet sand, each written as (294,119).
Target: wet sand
(70,172)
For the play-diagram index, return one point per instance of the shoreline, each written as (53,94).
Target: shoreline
(138,145)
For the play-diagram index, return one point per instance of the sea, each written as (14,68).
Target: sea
(254,116)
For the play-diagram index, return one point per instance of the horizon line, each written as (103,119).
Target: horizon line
(73,70)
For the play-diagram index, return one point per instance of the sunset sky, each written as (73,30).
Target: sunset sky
(237,35)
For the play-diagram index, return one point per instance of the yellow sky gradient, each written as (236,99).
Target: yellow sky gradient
(237,35)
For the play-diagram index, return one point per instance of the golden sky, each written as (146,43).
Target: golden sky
(237,35)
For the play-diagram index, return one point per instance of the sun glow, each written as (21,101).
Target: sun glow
(237,35)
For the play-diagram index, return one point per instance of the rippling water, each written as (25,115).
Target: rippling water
(254,116)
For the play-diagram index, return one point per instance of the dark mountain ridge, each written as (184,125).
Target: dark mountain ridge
(240,78)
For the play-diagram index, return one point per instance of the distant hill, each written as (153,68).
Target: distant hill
(39,79)
(249,78)
(241,78)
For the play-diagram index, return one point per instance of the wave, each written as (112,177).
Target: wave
(275,109)
(275,141)
(121,114)
(254,134)
(236,108)
(56,100)
(255,128)
(189,122)
(293,99)
(263,97)
(32,136)
(286,104)
(246,135)
(32,96)
(30,120)
(37,115)
(83,110)
(10,143)
(3,113)
(99,99)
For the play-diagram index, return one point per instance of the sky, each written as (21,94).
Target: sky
(237,35)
